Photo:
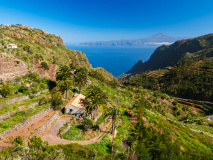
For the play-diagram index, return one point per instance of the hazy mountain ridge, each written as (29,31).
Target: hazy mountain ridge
(155,40)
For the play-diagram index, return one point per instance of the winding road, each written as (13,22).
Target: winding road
(51,134)
(210,118)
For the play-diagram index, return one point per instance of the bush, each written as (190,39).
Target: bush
(87,124)
(175,102)
(56,100)
(34,76)
(23,88)
(44,100)
(45,65)
(43,86)
(6,90)
(35,87)
(44,80)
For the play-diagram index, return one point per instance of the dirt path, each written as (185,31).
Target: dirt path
(27,129)
(52,138)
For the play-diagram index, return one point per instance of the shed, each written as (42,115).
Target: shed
(76,107)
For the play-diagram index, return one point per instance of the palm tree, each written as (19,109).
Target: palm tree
(64,79)
(113,112)
(81,77)
(95,97)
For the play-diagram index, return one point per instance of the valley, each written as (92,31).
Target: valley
(54,105)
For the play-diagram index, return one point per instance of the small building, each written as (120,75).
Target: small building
(169,68)
(8,25)
(76,107)
(12,46)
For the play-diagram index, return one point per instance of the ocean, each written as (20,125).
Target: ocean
(116,60)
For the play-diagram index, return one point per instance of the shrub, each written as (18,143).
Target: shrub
(175,102)
(34,76)
(34,87)
(43,86)
(6,90)
(23,88)
(44,65)
(43,100)
(44,80)
(56,100)
(87,124)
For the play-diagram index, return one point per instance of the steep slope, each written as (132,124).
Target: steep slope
(35,45)
(170,55)
(107,75)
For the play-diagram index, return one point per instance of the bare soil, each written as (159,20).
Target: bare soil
(26,131)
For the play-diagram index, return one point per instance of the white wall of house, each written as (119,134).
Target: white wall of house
(12,46)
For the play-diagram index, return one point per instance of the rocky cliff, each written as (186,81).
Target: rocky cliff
(169,55)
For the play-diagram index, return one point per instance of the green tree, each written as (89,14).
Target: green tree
(113,112)
(95,97)
(64,79)
(6,90)
(56,100)
(81,77)
(17,141)
(87,124)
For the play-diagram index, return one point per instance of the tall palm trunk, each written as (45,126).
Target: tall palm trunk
(66,94)
(113,130)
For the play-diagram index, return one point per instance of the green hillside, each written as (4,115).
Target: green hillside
(165,55)
(134,121)
(40,45)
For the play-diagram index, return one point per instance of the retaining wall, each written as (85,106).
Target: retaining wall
(22,124)
(10,68)
(45,125)
(19,99)
(9,114)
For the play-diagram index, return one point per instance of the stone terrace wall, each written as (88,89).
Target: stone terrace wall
(9,114)
(10,68)
(19,99)
(22,124)
(45,125)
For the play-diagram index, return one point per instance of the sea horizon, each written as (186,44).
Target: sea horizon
(116,60)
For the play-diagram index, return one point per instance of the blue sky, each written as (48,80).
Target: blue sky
(90,20)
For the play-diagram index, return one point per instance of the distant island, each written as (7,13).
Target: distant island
(153,41)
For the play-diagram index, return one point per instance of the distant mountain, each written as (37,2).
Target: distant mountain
(155,40)
(165,55)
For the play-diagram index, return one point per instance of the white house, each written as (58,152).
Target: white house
(8,25)
(76,107)
(12,46)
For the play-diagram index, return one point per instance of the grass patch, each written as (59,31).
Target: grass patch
(21,116)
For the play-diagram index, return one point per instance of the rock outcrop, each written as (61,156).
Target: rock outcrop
(50,73)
